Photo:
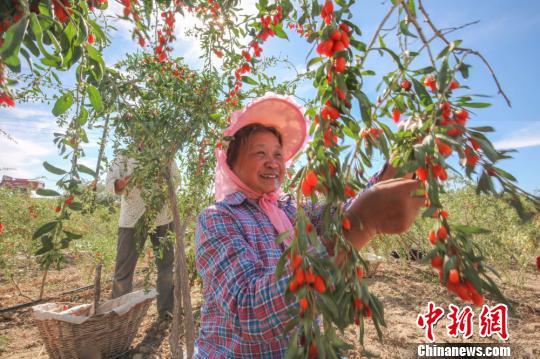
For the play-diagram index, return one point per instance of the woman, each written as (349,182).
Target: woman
(245,311)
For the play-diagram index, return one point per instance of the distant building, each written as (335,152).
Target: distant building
(20,183)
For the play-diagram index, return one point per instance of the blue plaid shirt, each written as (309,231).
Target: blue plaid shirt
(245,312)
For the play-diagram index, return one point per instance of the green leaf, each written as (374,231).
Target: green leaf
(47,192)
(46,228)
(95,98)
(47,245)
(83,117)
(53,169)
(72,235)
(13,38)
(314,61)
(63,104)
(403,26)
(421,91)
(280,33)
(82,168)
(476,104)
(443,77)
(76,206)
(249,80)
(469,229)
(280,266)
(425,70)
(483,129)
(365,107)
(392,54)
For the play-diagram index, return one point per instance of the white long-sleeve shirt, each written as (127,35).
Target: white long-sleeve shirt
(132,205)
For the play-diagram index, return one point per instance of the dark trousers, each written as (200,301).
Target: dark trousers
(127,253)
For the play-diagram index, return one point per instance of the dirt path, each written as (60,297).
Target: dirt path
(403,288)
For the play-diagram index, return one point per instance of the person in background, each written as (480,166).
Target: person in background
(132,207)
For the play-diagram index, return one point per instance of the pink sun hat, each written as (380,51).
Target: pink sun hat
(280,112)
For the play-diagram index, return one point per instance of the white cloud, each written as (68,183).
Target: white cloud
(24,158)
(20,112)
(525,137)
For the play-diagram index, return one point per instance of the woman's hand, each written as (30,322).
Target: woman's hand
(120,184)
(389,207)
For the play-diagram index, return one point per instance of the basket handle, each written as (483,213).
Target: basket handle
(97,288)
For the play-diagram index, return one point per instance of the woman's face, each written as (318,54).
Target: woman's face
(260,163)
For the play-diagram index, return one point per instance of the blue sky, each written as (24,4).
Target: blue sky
(507,35)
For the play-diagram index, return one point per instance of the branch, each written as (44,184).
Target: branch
(418,28)
(19,289)
(361,64)
(439,34)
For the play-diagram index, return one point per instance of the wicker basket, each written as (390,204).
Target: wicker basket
(73,331)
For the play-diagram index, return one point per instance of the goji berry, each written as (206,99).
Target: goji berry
(296,261)
(431,83)
(478,299)
(341,63)
(346,224)
(307,190)
(313,352)
(443,148)
(453,276)
(304,304)
(344,27)
(442,233)
(421,173)
(359,272)
(293,286)
(436,261)
(310,277)
(300,276)
(319,285)
(336,35)
(461,116)
(367,312)
(454,85)
(432,237)
(358,304)
(406,84)
(396,114)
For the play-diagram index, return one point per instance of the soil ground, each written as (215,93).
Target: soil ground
(404,288)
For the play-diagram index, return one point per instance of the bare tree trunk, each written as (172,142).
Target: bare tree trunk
(182,273)
(43,279)
(177,327)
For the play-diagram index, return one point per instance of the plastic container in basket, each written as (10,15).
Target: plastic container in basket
(71,331)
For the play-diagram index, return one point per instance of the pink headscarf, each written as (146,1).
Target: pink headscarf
(284,114)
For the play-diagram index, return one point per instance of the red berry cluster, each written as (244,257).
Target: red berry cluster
(359,306)
(10,17)
(304,275)
(5,97)
(62,10)
(165,37)
(96,3)
(254,51)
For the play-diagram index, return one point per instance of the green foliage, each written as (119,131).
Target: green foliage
(508,244)
(22,215)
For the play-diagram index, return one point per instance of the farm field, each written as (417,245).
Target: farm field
(402,287)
